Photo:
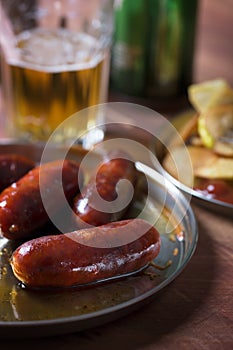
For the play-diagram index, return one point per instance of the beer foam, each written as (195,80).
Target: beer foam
(57,50)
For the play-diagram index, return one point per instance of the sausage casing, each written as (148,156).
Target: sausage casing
(71,259)
(12,168)
(21,206)
(115,167)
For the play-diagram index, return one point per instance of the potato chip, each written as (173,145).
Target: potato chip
(174,164)
(209,93)
(211,154)
(214,123)
(187,129)
(221,168)
(205,164)
(223,149)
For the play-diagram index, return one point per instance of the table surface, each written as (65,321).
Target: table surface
(195,310)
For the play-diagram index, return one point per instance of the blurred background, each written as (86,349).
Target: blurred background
(213,55)
(214,49)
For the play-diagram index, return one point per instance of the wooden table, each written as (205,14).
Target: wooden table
(195,310)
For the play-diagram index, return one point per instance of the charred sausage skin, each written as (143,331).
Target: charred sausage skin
(115,167)
(12,168)
(21,206)
(64,261)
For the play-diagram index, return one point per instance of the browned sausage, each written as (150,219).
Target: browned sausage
(12,168)
(114,168)
(21,206)
(72,260)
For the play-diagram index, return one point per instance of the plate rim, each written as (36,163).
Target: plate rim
(194,193)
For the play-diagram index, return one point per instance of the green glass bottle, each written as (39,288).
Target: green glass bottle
(153,47)
(172,35)
(128,69)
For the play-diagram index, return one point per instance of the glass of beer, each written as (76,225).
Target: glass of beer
(55,62)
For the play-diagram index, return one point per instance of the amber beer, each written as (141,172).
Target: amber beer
(56,74)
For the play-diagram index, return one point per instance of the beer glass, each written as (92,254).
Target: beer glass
(55,62)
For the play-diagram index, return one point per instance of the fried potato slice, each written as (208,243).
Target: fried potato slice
(186,130)
(211,156)
(175,165)
(205,164)
(221,168)
(210,93)
(214,123)
(223,149)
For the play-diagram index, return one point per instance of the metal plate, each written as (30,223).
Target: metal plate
(36,314)
(212,204)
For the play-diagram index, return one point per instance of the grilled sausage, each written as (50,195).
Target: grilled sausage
(21,206)
(12,168)
(115,167)
(86,256)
